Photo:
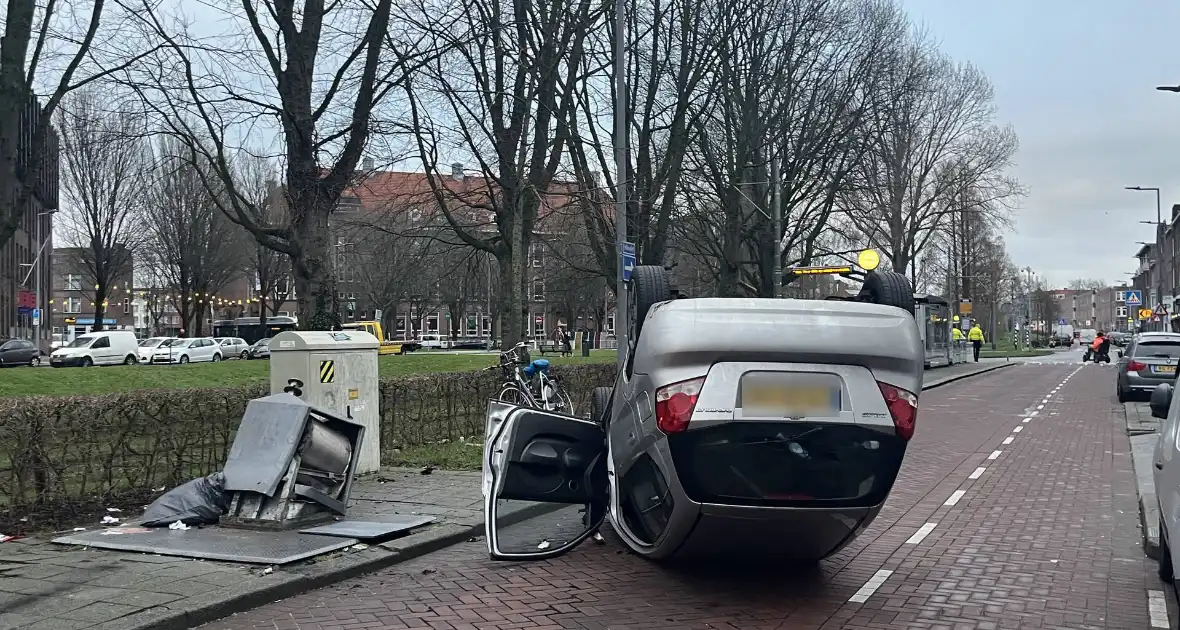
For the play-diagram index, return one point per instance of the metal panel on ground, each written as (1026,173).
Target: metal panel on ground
(369,530)
(211,543)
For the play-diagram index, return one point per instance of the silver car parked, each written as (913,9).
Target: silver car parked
(773,427)
(1149,360)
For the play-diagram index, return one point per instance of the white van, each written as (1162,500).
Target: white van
(107,347)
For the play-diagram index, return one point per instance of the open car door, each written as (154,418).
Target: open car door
(544,481)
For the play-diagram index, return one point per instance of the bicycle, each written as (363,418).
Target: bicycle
(519,371)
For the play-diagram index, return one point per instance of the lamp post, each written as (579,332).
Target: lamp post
(621,141)
(1159,261)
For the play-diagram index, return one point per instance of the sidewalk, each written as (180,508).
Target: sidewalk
(1143,430)
(44,586)
(60,587)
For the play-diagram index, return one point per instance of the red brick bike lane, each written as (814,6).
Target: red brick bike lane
(1046,536)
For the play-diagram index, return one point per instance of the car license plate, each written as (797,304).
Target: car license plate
(1165,369)
(763,397)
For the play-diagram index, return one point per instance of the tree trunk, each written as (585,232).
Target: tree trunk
(315,282)
(100,311)
(510,302)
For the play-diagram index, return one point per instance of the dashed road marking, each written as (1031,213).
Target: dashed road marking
(955,496)
(976,473)
(870,587)
(1157,609)
(1026,420)
(994,454)
(1017,429)
(1033,414)
(1008,440)
(1039,407)
(921,534)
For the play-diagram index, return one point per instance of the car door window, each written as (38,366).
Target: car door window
(101,342)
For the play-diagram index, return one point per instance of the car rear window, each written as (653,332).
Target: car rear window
(1158,349)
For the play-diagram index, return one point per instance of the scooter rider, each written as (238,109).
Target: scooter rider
(1095,347)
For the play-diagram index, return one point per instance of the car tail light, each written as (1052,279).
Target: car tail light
(903,406)
(674,404)
(1135,366)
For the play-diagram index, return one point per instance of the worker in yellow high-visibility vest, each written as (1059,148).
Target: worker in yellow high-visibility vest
(975,336)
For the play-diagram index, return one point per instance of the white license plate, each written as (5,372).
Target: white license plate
(775,397)
(1164,369)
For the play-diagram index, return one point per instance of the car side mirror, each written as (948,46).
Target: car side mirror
(1161,399)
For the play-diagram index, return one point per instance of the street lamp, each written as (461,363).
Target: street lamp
(1159,283)
(621,144)
(1168,88)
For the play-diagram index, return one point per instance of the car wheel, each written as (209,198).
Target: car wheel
(87,362)
(245,355)
(183,359)
(1122,395)
(600,405)
(649,286)
(216,358)
(130,360)
(35,361)
(890,289)
(1165,565)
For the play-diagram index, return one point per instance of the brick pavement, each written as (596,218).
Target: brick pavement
(1044,537)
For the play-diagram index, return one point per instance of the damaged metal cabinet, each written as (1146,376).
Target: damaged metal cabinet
(334,371)
(290,465)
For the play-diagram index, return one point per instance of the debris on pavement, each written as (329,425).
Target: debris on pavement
(178,525)
(599,539)
(544,545)
(201,501)
(268,570)
(114,510)
(427,470)
(110,520)
(5,538)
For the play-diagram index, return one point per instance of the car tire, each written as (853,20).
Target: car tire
(245,355)
(649,286)
(600,405)
(87,362)
(216,358)
(129,360)
(183,359)
(35,361)
(890,289)
(1122,395)
(1165,563)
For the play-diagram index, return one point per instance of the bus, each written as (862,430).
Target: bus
(250,328)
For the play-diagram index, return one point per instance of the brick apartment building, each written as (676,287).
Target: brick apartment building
(382,211)
(24,260)
(72,307)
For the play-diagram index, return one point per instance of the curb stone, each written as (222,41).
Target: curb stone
(219,604)
(313,575)
(1142,447)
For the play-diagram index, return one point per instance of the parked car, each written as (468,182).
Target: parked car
(260,350)
(19,352)
(188,350)
(1166,473)
(722,435)
(147,347)
(108,347)
(1149,360)
(233,347)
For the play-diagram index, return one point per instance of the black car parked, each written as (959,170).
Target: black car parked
(19,352)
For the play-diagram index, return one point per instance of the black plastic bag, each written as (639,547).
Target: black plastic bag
(198,502)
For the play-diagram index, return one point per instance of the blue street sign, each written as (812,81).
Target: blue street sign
(1134,298)
(627,260)
(36,317)
(1061,321)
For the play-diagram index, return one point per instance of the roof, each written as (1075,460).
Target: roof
(1144,251)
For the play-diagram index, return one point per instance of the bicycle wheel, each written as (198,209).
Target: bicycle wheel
(513,396)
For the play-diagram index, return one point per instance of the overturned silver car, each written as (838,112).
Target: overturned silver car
(738,425)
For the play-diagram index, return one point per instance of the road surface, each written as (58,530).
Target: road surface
(1015,508)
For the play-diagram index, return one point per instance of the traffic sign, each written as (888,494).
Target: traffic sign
(1061,321)
(1144,313)
(627,260)
(36,317)
(1134,298)
(1155,318)
(1161,310)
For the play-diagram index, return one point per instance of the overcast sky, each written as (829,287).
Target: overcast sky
(1077,80)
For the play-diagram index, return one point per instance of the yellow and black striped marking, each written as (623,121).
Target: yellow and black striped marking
(327,371)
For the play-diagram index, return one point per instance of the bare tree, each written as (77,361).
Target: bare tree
(107,163)
(330,66)
(196,248)
(504,95)
(934,143)
(49,48)
(258,182)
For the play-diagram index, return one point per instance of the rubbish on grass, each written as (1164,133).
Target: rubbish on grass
(179,525)
(201,501)
(114,510)
(544,545)
(79,529)
(110,520)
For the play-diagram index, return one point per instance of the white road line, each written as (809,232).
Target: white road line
(1033,414)
(1039,407)
(976,473)
(921,534)
(1008,440)
(1026,420)
(994,454)
(1017,429)
(955,496)
(870,587)
(1157,609)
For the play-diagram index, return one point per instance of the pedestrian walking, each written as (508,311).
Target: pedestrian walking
(563,338)
(975,336)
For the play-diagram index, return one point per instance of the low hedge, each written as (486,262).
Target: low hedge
(62,458)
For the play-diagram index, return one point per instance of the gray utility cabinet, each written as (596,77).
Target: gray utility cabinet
(334,371)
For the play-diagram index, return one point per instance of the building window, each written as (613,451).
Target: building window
(348,203)
(432,324)
(126,305)
(539,290)
(471,326)
(73,282)
(487,326)
(537,254)
(610,324)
